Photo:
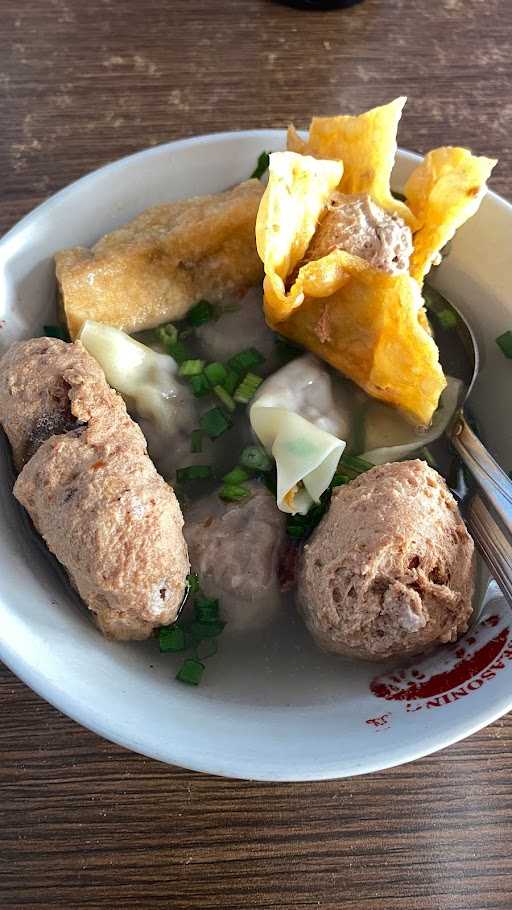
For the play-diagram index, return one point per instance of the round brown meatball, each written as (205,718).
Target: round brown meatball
(234,547)
(390,569)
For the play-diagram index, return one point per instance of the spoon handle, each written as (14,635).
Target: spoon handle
(491,480)
(494,546)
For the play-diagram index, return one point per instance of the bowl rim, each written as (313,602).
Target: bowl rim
(97,720)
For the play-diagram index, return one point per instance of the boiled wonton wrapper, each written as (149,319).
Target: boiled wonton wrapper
(306,457)
(444,191)
(368,324)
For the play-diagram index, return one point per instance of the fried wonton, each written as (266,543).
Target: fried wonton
(157,266)
(367,323)
(443,192)
(366,145)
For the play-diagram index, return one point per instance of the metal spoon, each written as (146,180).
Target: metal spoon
(489,512)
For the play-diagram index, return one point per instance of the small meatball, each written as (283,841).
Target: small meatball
(390,569)
(235,550)
(94,495)
(359,226)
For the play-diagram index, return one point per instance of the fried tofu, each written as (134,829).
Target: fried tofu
(155,268)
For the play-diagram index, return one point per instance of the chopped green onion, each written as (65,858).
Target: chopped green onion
(200,313)
(193,582)
(236,476)
(261,166)
(231,381)
(206,609)
(171,638)
(215,422)
(245,360)
(168,337)
(352,466)
(215,373)
(167,334)
(339,479)
(190,671)
(200,385)
(447,318)
(505,343)
(194,472)
(209,629)
(224,397)
(191,368)
(256,459)
(247,388)
(56,331)
(196,441)
(233,492)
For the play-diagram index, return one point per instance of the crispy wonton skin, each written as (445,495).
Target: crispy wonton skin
(366,144)
(368,324)
(153,269)
(443,192)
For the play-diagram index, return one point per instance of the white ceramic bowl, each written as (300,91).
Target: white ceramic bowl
(275,708)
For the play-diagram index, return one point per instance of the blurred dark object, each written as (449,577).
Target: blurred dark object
(319,4)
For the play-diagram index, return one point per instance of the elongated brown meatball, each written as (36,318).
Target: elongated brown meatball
(91,489)
(390,570)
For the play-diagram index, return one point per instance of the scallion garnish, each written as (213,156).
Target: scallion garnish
(261,166)
(245,360)
(233,492)
(231,381)
(191,368)
(199,385)
(247,388)
(339,480)
(352,466)
(224,397)
(194,472)
(447,318)
(171,638)
(236,476)
(200,313)
(504,342)
(192,583)
(190,671)
(168,337)
(215,373)
(196,441)
(255,459)
(206,609)
(56,331)
(215,422)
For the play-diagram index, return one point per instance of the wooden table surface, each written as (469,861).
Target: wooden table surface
(87,824)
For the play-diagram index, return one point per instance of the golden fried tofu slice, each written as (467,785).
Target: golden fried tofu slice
(366,144)
(443,192)
(153,269)
(368,324)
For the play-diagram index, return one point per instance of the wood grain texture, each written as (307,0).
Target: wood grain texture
(84,823)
